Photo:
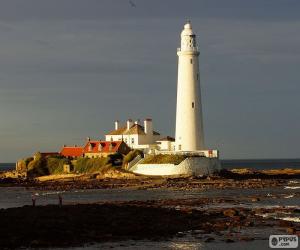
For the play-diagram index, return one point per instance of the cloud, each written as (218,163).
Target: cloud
(68,71)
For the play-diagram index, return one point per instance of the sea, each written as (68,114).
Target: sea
(287,196)
(7,166)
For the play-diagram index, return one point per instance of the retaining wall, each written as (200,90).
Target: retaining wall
(190,166)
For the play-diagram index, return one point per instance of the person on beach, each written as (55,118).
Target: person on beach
(33,198)
(60,199)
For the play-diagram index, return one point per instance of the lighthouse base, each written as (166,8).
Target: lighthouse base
(193,165)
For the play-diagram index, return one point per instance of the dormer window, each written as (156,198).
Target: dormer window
(90,147)
(100,147)
(110,147)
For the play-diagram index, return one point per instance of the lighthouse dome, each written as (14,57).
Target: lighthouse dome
(187,31)
(188,39)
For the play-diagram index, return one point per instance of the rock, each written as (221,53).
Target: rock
(291,230)
(230,212)
(245,238)
(255,199)
(34,243)
(210,239)
(283,223)
(249,224)
(229,240)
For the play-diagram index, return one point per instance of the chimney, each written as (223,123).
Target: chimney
(88,139)
(129,123)
(137,121)
(148,127)
(116,125)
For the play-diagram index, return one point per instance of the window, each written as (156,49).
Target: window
(193,105)
(132,140)
(191,61)
(179,147)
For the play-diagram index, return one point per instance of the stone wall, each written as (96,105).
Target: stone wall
(190,166)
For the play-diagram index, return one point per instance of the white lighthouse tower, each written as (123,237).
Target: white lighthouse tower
(189,125)
(189,140)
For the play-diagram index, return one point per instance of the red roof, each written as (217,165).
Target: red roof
(71,151)
(106,146)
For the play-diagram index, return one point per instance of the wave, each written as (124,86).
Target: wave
(49,193)
(294,182)
(289,196)
(288,218)
(288,187)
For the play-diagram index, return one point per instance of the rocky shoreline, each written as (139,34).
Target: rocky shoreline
(76,225)
(243,178)
(207,219)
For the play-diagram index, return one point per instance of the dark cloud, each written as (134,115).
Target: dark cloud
(120,9)
(68,69)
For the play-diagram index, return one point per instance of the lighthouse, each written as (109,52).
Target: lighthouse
(189,125)
(189,139)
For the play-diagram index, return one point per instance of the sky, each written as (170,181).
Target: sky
(70,68)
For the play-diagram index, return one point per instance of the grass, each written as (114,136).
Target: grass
(164,159)
(53,165)
(56,165)
(87,165)
(131,155)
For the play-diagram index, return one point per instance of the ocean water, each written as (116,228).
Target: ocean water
(20,196)
(260,164)
(7,166)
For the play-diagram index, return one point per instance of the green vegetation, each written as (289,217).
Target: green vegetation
(37,167)
(23,164)
(90,165)
(131,155)
(56,165)
(28,160)
(164,159)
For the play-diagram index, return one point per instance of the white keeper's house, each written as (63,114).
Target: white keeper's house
(135,135)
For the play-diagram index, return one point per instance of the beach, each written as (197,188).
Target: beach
(236,207)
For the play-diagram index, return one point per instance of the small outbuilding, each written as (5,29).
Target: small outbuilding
(71,152)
